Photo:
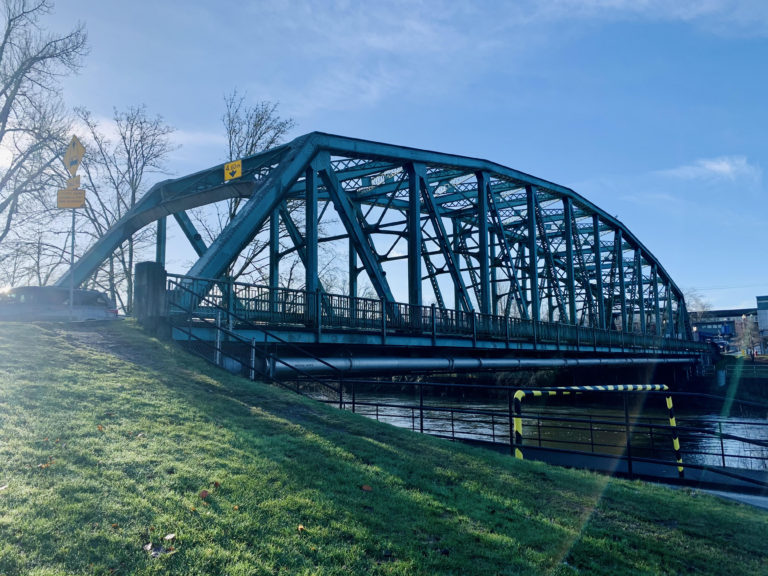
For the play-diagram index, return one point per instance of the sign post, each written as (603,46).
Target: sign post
(72,198)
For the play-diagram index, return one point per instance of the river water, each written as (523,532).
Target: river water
(707,437)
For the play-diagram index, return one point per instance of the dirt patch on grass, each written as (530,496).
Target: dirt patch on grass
(101,337)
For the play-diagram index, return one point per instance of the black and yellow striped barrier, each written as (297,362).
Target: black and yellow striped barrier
(567,390)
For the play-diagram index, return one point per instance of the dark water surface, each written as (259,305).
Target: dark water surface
(707,437)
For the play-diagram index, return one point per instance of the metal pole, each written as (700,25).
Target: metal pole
(421,408)
(253,359)
(629,433)
(675,439)
(218,338)
(516,423)
(71,267)
(722,446)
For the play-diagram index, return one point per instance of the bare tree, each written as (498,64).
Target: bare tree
(249,129)
(33,125)
(115,175)
(696,304)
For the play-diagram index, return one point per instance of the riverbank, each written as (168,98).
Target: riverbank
(122,454)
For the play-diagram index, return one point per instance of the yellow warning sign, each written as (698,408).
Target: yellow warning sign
(233,170)
(73,155)
(69,198)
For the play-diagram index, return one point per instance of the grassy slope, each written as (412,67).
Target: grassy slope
(106,441)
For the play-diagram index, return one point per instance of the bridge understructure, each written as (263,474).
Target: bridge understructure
(396,252)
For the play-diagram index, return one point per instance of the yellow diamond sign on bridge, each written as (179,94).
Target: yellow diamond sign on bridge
(233,170)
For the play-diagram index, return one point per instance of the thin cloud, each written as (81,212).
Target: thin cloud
(722,17)
(729,168)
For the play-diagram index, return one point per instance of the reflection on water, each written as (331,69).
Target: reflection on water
(706,438)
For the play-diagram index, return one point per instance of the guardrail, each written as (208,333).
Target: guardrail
(256,305)
(639,439)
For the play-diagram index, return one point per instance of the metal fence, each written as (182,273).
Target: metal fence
(247,304)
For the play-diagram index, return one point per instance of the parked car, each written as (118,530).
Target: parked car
(51,303)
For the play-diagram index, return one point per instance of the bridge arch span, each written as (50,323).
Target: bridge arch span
(423,227)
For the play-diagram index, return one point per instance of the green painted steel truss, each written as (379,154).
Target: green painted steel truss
(462,233)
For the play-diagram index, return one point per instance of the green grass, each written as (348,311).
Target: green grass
(107,438)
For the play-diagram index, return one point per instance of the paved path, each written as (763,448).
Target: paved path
(751,499)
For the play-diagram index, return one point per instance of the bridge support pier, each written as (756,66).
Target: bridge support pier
(149,299)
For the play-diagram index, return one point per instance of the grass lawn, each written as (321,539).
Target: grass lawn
(111,441)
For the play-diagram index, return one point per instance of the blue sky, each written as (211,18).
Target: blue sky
(657,111)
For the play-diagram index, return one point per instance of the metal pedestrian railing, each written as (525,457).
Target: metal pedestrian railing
(255,305)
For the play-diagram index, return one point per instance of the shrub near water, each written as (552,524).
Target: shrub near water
(120,454)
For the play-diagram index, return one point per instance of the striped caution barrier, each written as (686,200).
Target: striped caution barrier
(520,395)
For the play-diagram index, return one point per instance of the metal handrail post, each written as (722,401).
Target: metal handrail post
(434,325)
(722,445)
(230,303)
(628,434)
(421,408)
(218,339)
(253,359)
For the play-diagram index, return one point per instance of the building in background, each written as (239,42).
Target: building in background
(762,321)
(740,330)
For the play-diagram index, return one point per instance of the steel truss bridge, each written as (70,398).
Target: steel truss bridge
(400,248)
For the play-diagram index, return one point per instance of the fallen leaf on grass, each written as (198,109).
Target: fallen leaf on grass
(216,485)
(157,551)
(301,528)
(236,507)
(204,494)
(366,488)
(100,428)
(3,487)
(169,536)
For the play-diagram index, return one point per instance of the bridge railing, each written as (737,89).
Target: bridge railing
(288,307)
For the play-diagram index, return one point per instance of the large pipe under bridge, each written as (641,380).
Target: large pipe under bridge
(285,367)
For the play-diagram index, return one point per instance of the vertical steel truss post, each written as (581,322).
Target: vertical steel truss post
(494,276)
(656,306)
(483,190)
(533,261)
(161,241)
(640,289)
(352,255)
(415,173)
(622,286)
(598,256)
(569,268)
(310,236)
(274,259)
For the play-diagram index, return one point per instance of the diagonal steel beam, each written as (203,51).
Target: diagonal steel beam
(506,253)
(189,230)
(435,215)
(349,219)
